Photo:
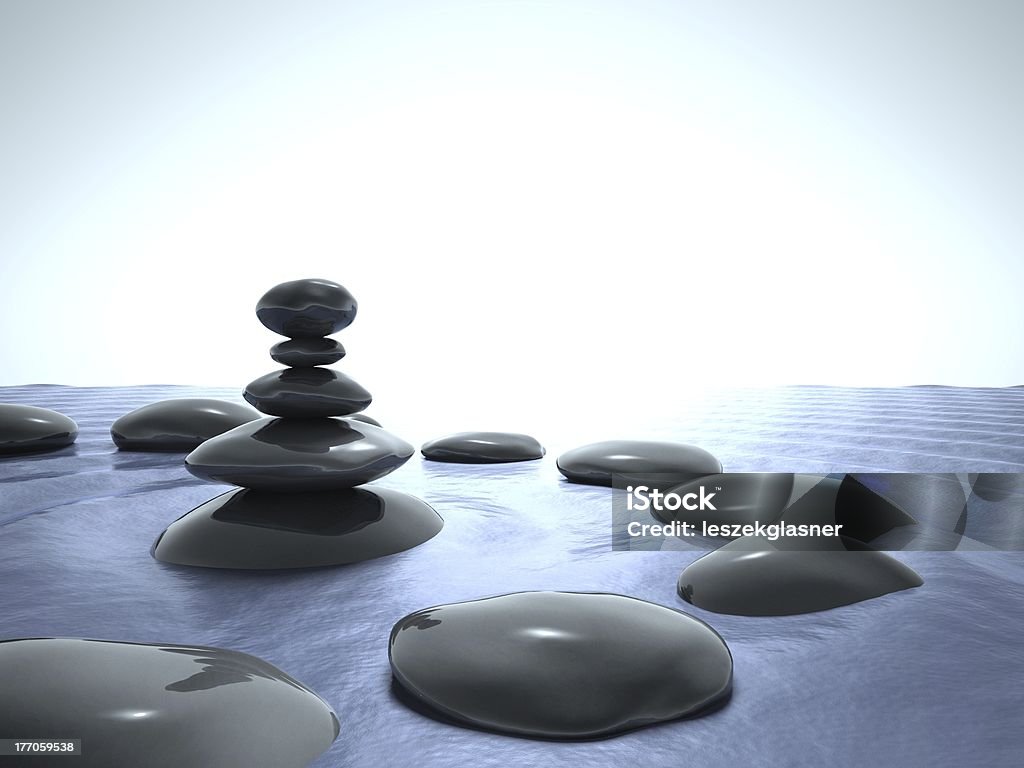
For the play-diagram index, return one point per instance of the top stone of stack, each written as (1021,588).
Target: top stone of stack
(307,309)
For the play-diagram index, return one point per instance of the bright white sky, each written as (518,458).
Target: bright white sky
(538,205)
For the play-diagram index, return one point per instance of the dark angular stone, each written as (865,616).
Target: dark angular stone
(751,577)
(559,664)
(305,353)
(306,309)
(28,429)
(177,425)
(161,706)
(267,530)
(483,448)
(636,460)
(299,455)
(306,393)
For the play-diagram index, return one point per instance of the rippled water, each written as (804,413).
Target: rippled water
(928,677)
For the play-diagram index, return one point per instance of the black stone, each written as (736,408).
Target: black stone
(558,664)
(305,353)
(266,530)
(28,429)
(483,448)
(177,425)
(636,461)
(306,309)
(752,577)
(160,706)
(996,501)
(299,455)
(306,393)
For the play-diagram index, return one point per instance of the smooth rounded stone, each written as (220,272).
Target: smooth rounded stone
(646,461)
(178,425)
(560,665)
(996,486)
(307,309)
(266,530)
(306,393)
(749,577)
(483,448)
(305,353)
(995,518)
(740,498)
(365,419)
(299,455)
(159,706)
(28,429)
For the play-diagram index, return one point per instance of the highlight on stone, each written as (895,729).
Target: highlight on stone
(636,461)
(559,665)
(180,424)
(29,429)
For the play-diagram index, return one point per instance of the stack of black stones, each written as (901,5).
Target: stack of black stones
(299,468)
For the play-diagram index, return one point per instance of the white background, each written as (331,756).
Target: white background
(541,206)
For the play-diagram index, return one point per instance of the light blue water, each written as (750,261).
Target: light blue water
(929,677)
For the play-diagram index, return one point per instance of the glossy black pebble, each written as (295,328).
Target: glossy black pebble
(27,429)
(299,455)
(306,309)
(178,425)
(266,530)
(483,448)
(305,353)
(559,665)
(159,706)
(306,393)
(751,578)
(640,460)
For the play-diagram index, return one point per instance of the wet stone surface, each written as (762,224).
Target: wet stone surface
(307,309)
(306,393)
(305,353)
(163,706)
(178,425)
(636,461)
(29,429)
(751,577)
(299,454)
(483,448)
(559,665)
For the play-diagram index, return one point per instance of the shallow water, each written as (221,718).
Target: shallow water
(924,677)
